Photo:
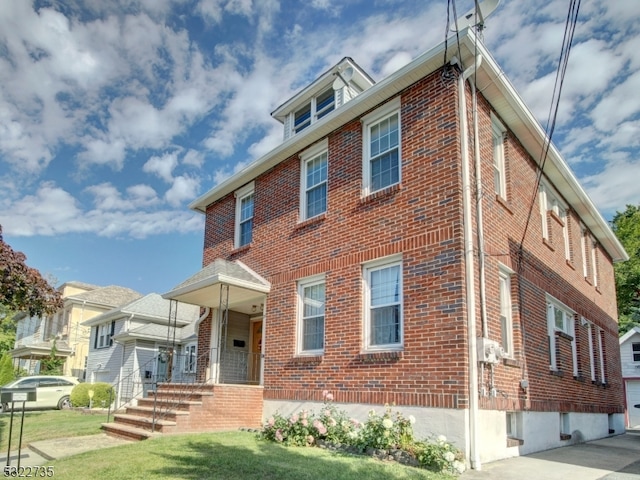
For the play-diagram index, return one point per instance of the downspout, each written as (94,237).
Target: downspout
(474,458)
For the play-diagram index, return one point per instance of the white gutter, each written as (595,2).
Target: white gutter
(472,442)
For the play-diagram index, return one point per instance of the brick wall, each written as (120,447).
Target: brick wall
(422,220)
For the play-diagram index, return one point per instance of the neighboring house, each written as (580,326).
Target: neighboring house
(35,336)
(630,359)
(142,342)
(360,257)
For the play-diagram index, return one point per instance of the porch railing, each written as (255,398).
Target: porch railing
(191,374)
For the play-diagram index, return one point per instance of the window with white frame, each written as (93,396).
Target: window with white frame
(499,163)
(550,202)
(382,155)
(603,375)
(383,323)
(560,319)
(190,355)
(311,304)
(586,256)
(635,351)
(313,201)
(313,111)
(104,333)
(244,215)
(594,260)
(506,319)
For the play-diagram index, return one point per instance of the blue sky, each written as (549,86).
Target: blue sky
(115,115)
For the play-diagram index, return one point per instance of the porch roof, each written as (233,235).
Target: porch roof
(246,287)
(41,349)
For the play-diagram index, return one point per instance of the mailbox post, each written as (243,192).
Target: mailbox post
(13,395)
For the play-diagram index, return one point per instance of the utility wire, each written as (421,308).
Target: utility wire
(563,61)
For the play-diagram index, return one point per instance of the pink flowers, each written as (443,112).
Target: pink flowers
(318,425)
(271,422)
(327,395)
(279,437)
(293,419)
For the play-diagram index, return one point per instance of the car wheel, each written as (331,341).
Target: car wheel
(64,403)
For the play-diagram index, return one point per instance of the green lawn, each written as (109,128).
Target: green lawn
(228,456)
(47,424)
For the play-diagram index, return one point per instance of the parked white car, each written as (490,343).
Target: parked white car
(51,391)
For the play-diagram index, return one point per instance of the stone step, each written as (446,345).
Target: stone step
(161,426)
(162,413)
(126,431)
(168,404)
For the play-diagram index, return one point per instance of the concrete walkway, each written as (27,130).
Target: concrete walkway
(39,453)
(612,458)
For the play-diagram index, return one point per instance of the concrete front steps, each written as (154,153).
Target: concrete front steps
(189,408)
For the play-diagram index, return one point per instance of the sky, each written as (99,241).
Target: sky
(116,114)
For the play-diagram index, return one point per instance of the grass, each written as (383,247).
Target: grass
(45,425)
(229,456)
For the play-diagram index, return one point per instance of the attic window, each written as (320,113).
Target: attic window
(313,111)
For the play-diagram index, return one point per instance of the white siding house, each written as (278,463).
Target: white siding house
(630,359)
(143,342)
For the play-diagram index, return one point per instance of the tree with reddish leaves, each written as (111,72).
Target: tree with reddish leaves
(22,288)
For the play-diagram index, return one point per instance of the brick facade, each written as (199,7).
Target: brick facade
(421,219)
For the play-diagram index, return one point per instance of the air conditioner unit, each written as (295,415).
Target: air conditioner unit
(489,351)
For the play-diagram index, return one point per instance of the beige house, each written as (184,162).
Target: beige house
(35,336)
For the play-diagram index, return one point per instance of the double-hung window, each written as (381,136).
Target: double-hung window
(560,319)
(635,351)
(382,155)
(550,204)
(506,320)
(383,323)
(244,215)
(104,334)
(499,164)
(311,303)
(313,201)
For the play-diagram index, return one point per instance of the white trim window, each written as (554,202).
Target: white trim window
(383,323)
(190,358)
(506,318)
(560,318)
(311,307)
(594,261)
(498,133)
(382,157)
(104,333)
(635,352)
(314,110)
(244,215)
(313,197)
(550,202)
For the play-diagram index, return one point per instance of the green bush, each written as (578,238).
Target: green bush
(102,393)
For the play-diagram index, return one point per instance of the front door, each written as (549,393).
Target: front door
(162,366)
(256,351)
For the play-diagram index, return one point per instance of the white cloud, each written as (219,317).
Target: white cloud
(621,103)
(162,166)
(184,188)
(616,185)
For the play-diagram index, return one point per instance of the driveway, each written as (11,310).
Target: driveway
(612,458)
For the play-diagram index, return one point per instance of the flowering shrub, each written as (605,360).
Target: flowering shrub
(439,455)
(306,428)
(390,431)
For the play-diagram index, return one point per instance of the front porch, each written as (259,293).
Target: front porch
(218,384)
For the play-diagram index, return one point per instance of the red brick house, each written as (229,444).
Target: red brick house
(406,244)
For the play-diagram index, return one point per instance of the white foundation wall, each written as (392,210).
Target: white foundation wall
(541,431)
(429,421)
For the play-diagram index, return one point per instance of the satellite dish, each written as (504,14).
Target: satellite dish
(476,16)
(342,78)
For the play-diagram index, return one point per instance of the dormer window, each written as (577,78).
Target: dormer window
(313,111)
(335,87)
